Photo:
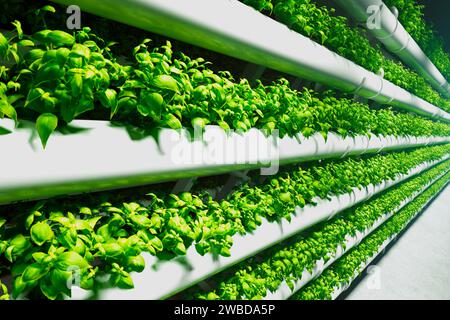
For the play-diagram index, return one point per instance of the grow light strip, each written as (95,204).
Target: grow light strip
(162,279)
(100,156)
(284,292)
(232,28)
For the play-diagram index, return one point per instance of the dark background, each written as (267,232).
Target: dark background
(438,13)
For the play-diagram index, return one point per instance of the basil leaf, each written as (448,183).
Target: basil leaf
(151,104)
(59,38)
(141,221)
(80,51)
(71,259)
(112,249)
(7,109)
(34,272)
(172,121)
(3,45)
(125,282)
(39,256)
(41,233)
(46,123)
(50,291)
(165,82)
(61,280)
(136,263)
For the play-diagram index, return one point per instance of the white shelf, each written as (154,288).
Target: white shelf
(161,279)
(104,157)
(397,40)
(284,292)
(232,28)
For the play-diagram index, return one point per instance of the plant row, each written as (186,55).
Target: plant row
(40,243)
(352,264)
(334,32)
(411,16)
(254,278)
(53,77)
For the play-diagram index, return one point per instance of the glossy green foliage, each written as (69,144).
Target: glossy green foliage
(47,243)
(54,77)
(4,295)
(323,26)
(350,264)
(254,278)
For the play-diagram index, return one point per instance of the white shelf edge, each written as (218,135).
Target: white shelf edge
(284,292)
(104,157)
(172,276)
(232,28)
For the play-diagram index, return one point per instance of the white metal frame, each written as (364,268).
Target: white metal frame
(102,156)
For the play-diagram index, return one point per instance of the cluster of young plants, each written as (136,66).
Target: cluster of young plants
(352,264)
(53,77)
(411,16)
(297,188)
(286,262)
(412,82)
(43,245)
(334,32)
